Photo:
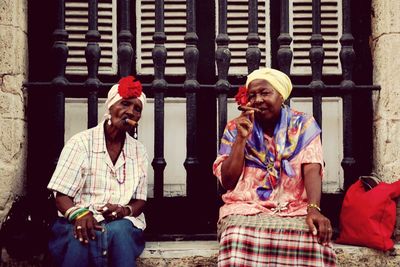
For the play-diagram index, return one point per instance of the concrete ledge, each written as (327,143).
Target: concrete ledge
(204,253)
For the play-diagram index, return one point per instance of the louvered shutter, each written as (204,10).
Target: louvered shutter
(301,30)
(175,30)
(76,24)
(238,29)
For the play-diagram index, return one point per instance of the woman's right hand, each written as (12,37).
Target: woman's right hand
(244,123)
(85,227)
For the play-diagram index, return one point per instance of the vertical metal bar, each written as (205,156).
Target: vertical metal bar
(92,55)
(159,86)
(347,54)
(253,53)
(347,57)
(223,59)
(284,54)
(60,55)
(191,87)
(125,50)
(317,59)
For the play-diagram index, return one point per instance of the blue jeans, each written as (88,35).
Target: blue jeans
(119,245)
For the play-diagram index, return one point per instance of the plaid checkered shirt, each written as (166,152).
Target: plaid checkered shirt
(86,173)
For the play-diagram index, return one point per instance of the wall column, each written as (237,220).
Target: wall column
(13,72)
(385,43)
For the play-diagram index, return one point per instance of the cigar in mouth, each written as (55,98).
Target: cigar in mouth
(246,108)
(131,122)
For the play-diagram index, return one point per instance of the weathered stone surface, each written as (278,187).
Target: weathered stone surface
(12,83)
(385,18)
(386,111)
(8,9)
(13,72)
(11,106)
(12,140)
(13,51)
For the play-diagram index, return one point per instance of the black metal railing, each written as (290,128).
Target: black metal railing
(170,216)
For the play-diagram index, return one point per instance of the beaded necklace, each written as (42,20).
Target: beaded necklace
(124,170)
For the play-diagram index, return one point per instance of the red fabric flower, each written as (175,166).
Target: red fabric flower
(128,87)
(241,96)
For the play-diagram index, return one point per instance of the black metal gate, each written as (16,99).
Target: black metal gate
(195,215)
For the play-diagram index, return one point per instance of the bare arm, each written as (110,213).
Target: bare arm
(317,222)
(232,167)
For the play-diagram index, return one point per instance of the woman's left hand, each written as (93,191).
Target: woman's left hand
(112,212)
(319,225)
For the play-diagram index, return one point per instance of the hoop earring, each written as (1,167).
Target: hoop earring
(109,119)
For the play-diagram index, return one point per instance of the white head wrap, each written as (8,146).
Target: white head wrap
(113,97)
(279,80)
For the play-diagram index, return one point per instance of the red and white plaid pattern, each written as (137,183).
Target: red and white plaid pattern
(264,240)
(86,173)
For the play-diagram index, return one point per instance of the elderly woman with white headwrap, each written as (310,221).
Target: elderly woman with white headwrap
(270,162)
(100,184)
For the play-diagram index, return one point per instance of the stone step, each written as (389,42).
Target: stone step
(204,253)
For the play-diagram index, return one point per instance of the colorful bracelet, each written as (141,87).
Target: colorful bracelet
(74,214)
(314,206)
(67,213)
(82,214)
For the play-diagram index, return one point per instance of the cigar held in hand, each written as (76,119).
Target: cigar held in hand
(247,108)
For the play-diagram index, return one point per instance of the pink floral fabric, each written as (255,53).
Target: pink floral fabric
(290,192)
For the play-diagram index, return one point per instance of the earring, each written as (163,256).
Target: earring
(135,133)
(109,119)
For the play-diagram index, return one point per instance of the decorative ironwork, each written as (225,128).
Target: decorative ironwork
(317,59)
(60,55)
(125,50)
(253,52)
(92,54)
(223,59)
(159,86)
(284,54)
(347,57)
(191,87)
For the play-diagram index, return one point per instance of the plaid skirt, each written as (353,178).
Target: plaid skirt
(265,240)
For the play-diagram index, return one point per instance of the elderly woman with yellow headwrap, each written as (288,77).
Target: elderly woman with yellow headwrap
(270,162)
(100,184)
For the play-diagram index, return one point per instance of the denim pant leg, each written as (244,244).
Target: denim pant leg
(66,250)
(125,243)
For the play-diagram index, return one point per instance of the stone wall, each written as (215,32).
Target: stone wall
(13,72)
(385,43)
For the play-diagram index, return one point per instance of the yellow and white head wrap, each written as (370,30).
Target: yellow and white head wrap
(279,80)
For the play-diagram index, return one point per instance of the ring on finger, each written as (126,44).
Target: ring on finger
(114,214)
(78,227)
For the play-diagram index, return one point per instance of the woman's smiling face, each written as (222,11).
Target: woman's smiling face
(123,109)
(263,96)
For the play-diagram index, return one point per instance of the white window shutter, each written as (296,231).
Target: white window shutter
(301,30)
(175,30)
(238,13)
(76,24)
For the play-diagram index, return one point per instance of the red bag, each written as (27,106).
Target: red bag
(368,218)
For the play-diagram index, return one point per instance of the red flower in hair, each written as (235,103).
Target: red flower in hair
(241,96)
(128,87)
